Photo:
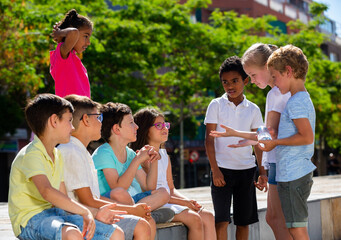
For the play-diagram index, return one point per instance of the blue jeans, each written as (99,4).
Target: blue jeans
(272,174)
(141,195)
(49,223)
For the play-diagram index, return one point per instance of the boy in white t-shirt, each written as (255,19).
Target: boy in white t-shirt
(232,169)
(80,173)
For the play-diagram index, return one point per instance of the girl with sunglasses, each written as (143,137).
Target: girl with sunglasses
(153,130)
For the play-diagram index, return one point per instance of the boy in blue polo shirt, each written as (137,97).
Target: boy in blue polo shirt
(288,67)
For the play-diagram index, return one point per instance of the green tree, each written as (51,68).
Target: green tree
(153,53)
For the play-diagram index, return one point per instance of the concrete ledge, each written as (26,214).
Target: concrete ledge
(324,206)
(167,231)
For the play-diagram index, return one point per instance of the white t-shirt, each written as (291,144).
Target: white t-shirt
(162,166)
(79,169)
(275,101)
(244,117)
(162,180)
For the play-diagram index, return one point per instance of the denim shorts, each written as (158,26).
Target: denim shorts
(294,196)
(49,223)
(107,194)
(272,174)
(141,195)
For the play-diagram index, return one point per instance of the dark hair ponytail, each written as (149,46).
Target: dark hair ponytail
(73,19)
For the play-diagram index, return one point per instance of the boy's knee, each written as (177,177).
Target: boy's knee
(221,225)
(118,234)
(152,223)
(142,228)
(164,194)
(70,233)
(121,195)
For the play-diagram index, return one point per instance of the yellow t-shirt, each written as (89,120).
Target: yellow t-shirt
(24,199)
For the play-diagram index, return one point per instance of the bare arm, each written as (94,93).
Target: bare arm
(139,209)
(152,176)
(304,136)
(272,122)
(86,197)
(262,182)
(230,132)
(125,180)
(60,200)
(147,180)
(71,36)
(218,178)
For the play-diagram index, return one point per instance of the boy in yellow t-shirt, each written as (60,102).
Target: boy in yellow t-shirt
(37,203)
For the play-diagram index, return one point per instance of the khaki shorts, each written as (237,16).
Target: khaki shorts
(293,196)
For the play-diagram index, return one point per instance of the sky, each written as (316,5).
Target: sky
(334,8)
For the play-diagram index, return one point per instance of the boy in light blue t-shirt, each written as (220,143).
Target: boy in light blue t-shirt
(119,167)
(295,143)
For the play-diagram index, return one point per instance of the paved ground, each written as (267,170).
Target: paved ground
(324,187)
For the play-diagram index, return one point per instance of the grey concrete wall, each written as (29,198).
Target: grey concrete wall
(323,224)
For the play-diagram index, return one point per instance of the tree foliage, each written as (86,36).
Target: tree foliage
(153,53)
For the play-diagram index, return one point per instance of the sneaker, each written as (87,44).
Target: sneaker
(163,215)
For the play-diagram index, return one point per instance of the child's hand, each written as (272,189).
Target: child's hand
(218,178)
(142,155)
(195,205)
(262,183)
(89,225)
(266,145)
(272,132)
(228,132)
(243,143)
(106,215)
(142,210)
(154,155)
(56,33)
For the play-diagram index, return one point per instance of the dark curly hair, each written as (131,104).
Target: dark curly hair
(230,64)
(73,19)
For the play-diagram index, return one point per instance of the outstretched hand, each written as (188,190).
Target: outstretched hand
(106,215)
(243,143)
(229,132)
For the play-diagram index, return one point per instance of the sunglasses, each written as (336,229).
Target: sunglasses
(99,116)
(161,125)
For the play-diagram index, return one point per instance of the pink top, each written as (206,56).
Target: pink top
(70,76)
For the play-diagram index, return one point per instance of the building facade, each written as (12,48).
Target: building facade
(283,10)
